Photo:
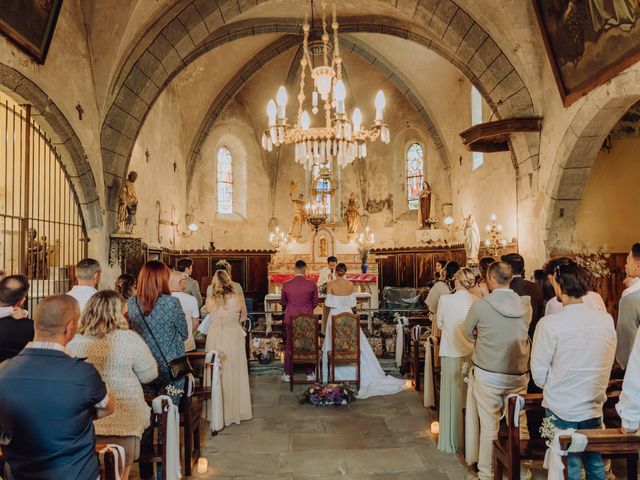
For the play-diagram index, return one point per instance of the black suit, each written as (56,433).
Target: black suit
(14,335)
(524,287)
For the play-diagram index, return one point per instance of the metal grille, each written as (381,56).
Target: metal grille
(42,232)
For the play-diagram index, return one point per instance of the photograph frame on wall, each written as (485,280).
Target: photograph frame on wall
(30,24)
(588,43)
(154,254)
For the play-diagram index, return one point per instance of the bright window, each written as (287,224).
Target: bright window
(476,118)
(322,188)
(225,181)
(415,174)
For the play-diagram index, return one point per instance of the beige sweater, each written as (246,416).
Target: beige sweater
(124,361)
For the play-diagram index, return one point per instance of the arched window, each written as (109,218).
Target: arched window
(225,181)
(476,119)
(322,187)
(415,174)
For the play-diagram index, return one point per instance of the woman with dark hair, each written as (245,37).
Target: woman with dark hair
(126,286)
(443,286)
(480,289)
(158,318)
(438,266)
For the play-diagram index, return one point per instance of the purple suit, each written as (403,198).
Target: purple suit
(299,295)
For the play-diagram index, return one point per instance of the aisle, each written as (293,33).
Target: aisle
(377,438)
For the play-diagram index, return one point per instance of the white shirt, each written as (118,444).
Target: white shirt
(82,293)
(326,276)
(591,299)
(629,405)
(189,306)
(571,359)
(452,310)
(633,287)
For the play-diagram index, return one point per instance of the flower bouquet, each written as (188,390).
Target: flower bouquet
(264,351)
(330,394)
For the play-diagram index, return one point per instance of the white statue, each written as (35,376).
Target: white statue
(471,239)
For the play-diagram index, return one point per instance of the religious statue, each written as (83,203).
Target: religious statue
(37,264)
(323,247)
(127,205)
(352,215)
(425,205)
(300,214)
(471,240)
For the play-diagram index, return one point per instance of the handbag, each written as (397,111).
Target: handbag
(178,367)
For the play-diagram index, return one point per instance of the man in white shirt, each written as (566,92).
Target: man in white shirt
(327,275)
(88,273)
(629,307)
(574,385)
(629,405)
(189,306)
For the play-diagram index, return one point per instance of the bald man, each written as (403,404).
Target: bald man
(189,304)
(48,401)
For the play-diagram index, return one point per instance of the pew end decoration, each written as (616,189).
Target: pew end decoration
(331,394)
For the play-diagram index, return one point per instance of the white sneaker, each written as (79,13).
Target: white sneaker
(311,378)
(285,378)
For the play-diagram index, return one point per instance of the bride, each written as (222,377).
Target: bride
(373,381)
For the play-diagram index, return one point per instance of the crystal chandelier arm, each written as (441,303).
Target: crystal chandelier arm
(336,61)
(325,34)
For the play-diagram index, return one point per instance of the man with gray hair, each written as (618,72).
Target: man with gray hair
(88,273)
(499,324)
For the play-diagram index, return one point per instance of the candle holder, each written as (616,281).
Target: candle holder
(495,243)
(316,214)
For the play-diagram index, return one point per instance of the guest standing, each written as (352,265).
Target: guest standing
(591,299)
(49,401)
(226,336)
(499,324)
(15,329)
(525,287)
(629,405)
(185,265)
(455,348)
(443,286)
(124,362)
(480,289)
(438,266)
(88,273)
(158,318)
(299,296)
(629,307)
(327,275)
(226,266)
(126,286)
(189,306)
(574,385)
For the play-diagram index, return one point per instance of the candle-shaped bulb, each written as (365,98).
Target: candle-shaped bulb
(281,97)
(339,91)
(380,100)
(357,120)
(305,120)
(271,112)
(493,217)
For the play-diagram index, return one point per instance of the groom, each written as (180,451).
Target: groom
(299,296)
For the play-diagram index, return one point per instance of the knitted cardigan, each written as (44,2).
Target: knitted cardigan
(124,362)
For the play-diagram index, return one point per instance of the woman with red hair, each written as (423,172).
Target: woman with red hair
(158,318)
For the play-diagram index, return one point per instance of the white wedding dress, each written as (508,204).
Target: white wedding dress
(373,380)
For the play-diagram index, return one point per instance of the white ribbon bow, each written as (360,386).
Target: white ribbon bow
(429,395)
(553,456)
(519,407)
(172,438)
(118,455)
(203,328)
(216,408)
(400,323)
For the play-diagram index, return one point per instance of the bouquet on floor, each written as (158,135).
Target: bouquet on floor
(331,394)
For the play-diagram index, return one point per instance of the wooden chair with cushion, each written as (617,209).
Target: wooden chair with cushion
(305,330)
(345,343)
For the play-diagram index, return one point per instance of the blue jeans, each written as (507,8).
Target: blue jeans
(592,461)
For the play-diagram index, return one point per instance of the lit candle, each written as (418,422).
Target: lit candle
(203,465)
(435,428)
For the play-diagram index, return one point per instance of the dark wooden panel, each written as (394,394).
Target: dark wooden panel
(387,272)
(200,269)
(406,270)
(258,279)
(238,269)
(425,265)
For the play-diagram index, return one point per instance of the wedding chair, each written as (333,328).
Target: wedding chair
(345,343)
(305,349)
(156,452)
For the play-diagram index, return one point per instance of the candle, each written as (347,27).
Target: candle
(203,465)
(435,428)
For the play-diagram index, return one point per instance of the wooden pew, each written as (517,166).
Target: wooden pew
(509,449)
(156,453)
(416,363)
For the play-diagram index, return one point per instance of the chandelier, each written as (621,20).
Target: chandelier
(341,137)
(316,214)
(495,243)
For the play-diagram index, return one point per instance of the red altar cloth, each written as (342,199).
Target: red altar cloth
(276,278)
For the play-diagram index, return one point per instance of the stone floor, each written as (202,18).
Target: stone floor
(374,439)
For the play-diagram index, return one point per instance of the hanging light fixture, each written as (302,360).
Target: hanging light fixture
(341,138)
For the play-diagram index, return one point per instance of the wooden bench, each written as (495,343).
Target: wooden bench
(156,452)
(509,449)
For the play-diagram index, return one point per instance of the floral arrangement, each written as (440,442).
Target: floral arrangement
(464,369)
(330,394)
(594,263)
(173,391)
(548,428)
(264,350)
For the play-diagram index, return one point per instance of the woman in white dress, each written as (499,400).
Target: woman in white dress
(373,381)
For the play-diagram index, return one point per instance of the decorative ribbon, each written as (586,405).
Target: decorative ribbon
(203,328)
(519,407)
(429,389)
(118,455)
(553,456)
(215,408)
(171,438)
(191,384)
(400,324)
(471,422)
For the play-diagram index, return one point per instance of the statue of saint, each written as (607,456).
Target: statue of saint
(37,264)
(323,247)
(471,240)
(425,204)
(352,214)
(127,205)
(300,214)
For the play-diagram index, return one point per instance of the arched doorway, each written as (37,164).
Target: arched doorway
(42,229)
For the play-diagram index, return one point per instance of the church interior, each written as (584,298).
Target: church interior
(278,138)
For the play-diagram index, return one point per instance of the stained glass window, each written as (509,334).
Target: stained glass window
(225,181)
(476,118)
(415,174)
(322,187)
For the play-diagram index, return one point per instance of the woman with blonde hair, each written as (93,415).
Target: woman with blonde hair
(124,362)
(455,349)
(226,336)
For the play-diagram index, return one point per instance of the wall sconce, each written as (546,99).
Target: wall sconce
(191,225)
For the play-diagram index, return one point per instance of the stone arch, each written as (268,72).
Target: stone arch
(202,25)
(64,139)
(577,151)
